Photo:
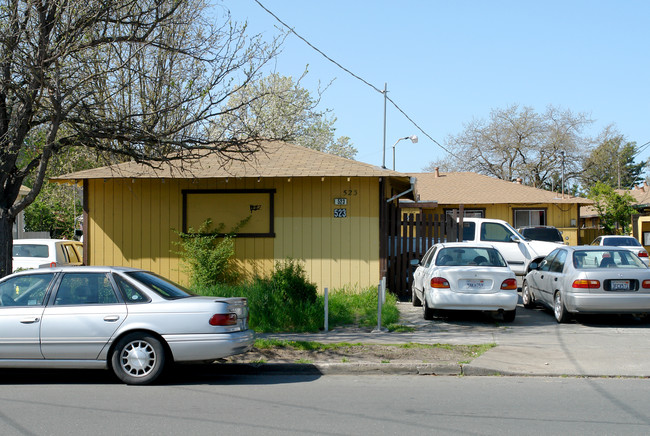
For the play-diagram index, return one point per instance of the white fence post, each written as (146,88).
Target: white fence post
(326,311)
(380,303)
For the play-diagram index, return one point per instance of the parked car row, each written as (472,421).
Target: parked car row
(131,321)
(570,280)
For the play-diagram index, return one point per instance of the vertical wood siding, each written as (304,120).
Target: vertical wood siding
(132,222)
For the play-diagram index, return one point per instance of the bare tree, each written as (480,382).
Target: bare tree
(284,108)
(130,79)
(518,142)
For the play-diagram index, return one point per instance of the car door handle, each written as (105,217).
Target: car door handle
(29,320)
(111,318)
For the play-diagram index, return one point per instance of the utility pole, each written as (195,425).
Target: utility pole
(383,162)
(562,153)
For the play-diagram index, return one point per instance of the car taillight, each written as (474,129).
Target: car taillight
(439,282)
(509,284)
(223,319)
(586,284)
(643,254)
(645,284)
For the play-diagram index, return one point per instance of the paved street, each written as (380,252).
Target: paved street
(208,403)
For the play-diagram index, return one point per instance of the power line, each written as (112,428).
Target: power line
(291,29)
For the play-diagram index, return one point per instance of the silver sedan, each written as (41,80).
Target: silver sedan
(128,320)
(589,279)
(463,276)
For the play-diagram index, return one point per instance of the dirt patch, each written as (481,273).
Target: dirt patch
(369,353)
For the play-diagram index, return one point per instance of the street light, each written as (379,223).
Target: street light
(414,140)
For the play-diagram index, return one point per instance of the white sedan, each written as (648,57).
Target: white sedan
(462,276)
(128,320)
(627,242)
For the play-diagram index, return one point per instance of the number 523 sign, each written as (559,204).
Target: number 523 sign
(340,213)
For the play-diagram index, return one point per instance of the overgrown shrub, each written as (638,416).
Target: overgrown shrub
(289,280)
(208,256)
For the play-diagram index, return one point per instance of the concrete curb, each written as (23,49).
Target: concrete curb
(391,369)
(340,368)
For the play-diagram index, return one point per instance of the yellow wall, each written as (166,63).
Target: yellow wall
(132,223)
(643,226)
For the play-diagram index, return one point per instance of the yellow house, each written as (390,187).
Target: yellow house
(303,204)
(489,197)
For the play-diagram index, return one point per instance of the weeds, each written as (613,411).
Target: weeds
(287,302)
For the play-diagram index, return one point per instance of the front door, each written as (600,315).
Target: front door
(81,318)
(22,300)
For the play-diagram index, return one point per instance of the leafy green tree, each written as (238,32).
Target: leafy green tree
(519,142)
(131,79)
(280,107)
(612,163)
(614,210)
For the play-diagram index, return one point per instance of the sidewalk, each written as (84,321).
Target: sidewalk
(534,345)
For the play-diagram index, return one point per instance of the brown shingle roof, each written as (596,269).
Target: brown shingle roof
(277,159)
(472,188)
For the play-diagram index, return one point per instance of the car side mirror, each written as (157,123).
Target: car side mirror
(532,266)
(514,238)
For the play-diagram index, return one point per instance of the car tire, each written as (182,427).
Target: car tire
(138,359)
(559,310)
(509,315)
(526,296)
(428,312)
(414,298)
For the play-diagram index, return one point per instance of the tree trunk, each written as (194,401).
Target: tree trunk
(6,242)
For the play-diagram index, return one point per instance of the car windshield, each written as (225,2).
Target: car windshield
(30,250)
(621,242)
(470,256)
(606,259)
(163,287)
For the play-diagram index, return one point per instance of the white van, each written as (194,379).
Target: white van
(45,253)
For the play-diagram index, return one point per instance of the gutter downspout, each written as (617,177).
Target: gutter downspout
(412,180)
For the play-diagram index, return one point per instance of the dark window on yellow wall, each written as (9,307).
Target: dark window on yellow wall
(230,207)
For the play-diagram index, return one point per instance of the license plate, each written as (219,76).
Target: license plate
(619,285)
(475,284)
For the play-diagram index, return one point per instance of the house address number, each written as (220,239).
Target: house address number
(340,213)
(340,201)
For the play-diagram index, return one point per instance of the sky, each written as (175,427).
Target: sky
(446,63)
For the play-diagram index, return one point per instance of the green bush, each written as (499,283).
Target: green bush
(208,256)
(272,310)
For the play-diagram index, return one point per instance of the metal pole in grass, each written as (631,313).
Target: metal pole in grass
(380,291)
(326,311)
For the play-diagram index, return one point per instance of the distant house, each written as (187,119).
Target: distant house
(303,204)
(489,197)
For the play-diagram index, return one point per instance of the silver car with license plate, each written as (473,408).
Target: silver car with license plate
(128,320)
(462,276)
(589,279)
